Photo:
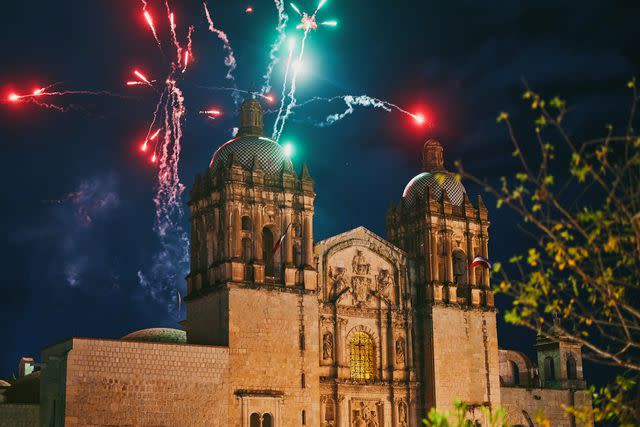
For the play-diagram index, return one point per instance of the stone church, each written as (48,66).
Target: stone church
(354,330)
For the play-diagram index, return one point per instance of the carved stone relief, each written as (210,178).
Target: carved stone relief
(369,274)
(366,414)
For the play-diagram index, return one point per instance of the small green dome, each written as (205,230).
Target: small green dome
(168,335)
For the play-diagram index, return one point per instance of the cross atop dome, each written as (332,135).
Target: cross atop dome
(251,118)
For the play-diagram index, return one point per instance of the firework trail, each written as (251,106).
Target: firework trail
(276,134)
(36,97)
(149,19)
(268,98)
(307,23)
(229,60)
(275,47)
(363,101)
(292,89)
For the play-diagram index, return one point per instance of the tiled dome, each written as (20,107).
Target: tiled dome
(436,182)
(168,335)
(247,147)
(435,177)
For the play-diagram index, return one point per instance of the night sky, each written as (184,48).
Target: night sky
(77,199)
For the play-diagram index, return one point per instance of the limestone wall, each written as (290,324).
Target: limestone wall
(110,382)
(208,319)
(19,415)
(523,404)
(266,326)
(465,356)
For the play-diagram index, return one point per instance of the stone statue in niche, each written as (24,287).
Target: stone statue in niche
(402,414)
(359,263)
(327,346)
(400,350)
(385,282)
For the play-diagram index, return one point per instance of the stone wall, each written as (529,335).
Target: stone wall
(267,361)
(208,319)
(19,415)
(465,357)
(110,382)
(524,405)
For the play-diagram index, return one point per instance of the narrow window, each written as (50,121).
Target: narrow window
(266,420)
(572,373)
(304,417)
(254,420)
(302,381)
(549,369)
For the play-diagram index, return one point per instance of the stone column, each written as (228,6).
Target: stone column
(216,230)
(342,411)
(288,240)
(485,253)
(237,233)
(427,254)
(449,256)
(471,277)
(257,234)
(308,239)
(409,346)
(434,255)
(340,343)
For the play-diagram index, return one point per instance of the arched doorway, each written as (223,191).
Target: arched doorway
(267,252)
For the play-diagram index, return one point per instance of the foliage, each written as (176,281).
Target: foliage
(581,276)
(458,417)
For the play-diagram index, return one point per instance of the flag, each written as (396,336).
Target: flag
(481,262)
(281,239)
(179,300)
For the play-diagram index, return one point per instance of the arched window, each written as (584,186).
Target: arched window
(459,267)
(254,420)
(572,373)
(266,420)
(246,223)
(549,369)
(361,356)
(267,252)
(515,372)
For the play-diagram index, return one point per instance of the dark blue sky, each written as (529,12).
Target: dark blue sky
(70,268)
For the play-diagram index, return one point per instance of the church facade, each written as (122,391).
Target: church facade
(354,330)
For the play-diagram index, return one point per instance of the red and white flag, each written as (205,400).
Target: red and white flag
(481,262)
(281,239)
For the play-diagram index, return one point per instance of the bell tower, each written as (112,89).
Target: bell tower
(439,228)
(252,284)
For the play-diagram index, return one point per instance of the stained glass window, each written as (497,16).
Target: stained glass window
(361,356)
